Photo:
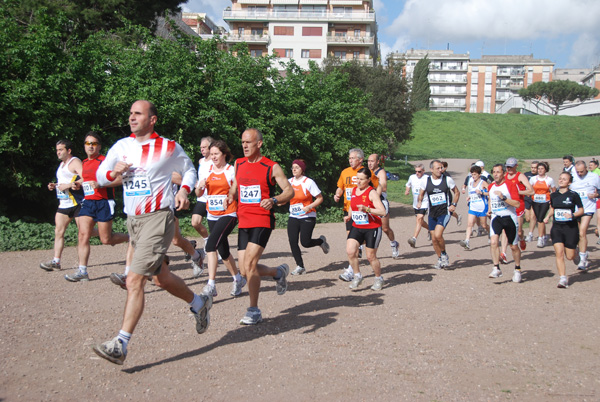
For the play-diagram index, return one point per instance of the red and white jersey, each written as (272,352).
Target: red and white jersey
(304,191)
(497,205)
(147,184)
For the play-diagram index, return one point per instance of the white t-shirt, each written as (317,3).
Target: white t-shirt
(416,186)
(584,186)
(204,169)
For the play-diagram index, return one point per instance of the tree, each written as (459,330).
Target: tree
(556,93)
(419,98)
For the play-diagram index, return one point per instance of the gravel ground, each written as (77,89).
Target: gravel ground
(428,335)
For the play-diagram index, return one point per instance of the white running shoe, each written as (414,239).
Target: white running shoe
(412,242)
(395,251)
(438,264)
(529,238)
(541,243)
(347,276)
(496,273)
(299,270)
(563,283)
(445,260)
(356,282)
(465,244)
(459,220)
(516,276)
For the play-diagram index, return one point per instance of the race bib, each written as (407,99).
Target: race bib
(87,188)
(296,209)
(437,199)
(474,197)
(563,215)
(214,203)
(539,198)
(360,218)
(137,184)
(348,194)
(250,194)
(582,195)
(61,195)
(416,191)
(498,206)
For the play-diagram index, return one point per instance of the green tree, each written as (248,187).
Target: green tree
(420,92)
(556,93)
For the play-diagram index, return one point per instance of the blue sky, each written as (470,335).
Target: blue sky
(563,31)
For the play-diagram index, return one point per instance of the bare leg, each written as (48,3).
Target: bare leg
(372,257)
(249,260)
(61,221)
(352,251)
(86,224)
(495,249)
(197,224)
(437,237)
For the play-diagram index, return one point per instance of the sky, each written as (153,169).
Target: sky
(563,31)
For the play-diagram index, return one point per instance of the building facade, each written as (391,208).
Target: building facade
(592,80)
(305,30)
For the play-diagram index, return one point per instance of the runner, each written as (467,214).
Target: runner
(504,200)
(478,204)
(543,185)
(98,206)
(69,196)
(199,212)
(568,163)
(416,182)
(566,207)
(594,168)
(221,221)
(454,213)
(254,187)
(443,196)
(146,161)
(303,215)
(373,163)
(345,184)
(586,184)
(366,210)
(529,201)
(522,184)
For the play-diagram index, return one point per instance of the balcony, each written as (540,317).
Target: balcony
(350,40)
(254,39)
(312,16)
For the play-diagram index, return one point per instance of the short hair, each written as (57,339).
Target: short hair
(152,109)
(475,169)
(259,135)
(222,146)
(434,161)
(95,135)
(569,157)
(595,162)
(535,162)
(568,175)
(581,163)
(67,143)
(545,164)
(209,139)
(445,164)
(501,165)
(419,165)
(358,151)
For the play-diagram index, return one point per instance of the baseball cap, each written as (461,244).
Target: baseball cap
(479,163)
(511,162)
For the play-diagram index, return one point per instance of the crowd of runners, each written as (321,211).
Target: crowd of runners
(157,177)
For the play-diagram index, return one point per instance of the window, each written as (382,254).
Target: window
(277,8)
(256,53)
(286,31)
(342,10)
(357,33)
(289,53)
(314,9)
(257,32)
(305,53)
(356,55)
(340,54)
(488,78)
(341,33)
(311,53)
(257,9)
(241,31)
(312,31)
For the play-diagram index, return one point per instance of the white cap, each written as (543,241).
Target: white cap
(479,163)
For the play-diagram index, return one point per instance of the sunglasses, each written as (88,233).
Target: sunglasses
(92,143)
(419,171)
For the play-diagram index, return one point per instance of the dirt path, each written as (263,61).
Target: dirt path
(429,335)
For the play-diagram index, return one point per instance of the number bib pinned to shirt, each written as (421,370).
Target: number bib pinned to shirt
(87,188)
(214,203)
(348,194)
(563,215)
(474,197)
(583,195)
(498,206)
(250,194)
(137,184)
(539,198)
(360,218)
(437,199)
(61,195)
(296,210)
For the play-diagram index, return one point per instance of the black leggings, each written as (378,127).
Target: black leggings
(304,227)
(219,230)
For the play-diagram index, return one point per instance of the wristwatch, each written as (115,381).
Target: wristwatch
(453,204)
(504,197)
(274,200)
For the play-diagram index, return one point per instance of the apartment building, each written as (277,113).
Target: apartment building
(447,77)
(592,79)
(200,23)
(305,30)
(492,80)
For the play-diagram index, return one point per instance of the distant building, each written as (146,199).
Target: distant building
(305,30)
(570,74)
(592,79)
(447,77)
(200,23)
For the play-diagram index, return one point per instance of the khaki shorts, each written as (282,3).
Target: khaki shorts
(151,235)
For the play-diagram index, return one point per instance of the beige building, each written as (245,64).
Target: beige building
(305,30)
(492,80)
(592,79)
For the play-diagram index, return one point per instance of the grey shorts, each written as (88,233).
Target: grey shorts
(151,235)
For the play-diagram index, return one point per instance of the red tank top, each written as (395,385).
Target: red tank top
(255,183)
(520,186)
(90,166)
(363,220)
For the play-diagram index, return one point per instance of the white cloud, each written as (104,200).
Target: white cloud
(585,51)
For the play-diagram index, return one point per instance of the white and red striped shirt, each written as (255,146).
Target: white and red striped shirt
(147,184)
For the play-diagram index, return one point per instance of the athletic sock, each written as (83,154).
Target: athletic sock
(583,256)
(197,303)
(237,277)
(359,275)
(126,271)
(211,282)
(444,252)
(124,337)
(83,269)
(517,267)
(56,260)
(205,240)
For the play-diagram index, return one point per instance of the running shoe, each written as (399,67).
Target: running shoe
(522,244)
(236,289)
(563,283)
(428,236)
(203,316)
(356,282)
(412,242)
(529,238)
(541,243)
(111,350)
(50,266)
(465,244)
(252,317)
(583,265)
(395,251)
(516,276)
(547,241)
(324,245)
(78,276)
(445,260)
(577,258)
(210,290)
(198,264)
(186,256)
(119,279)
(360,248)
(298,271)
(438,264)
(281,285)
(496,273)
(459,220)
(378,284)
(503,258)
(347,275)
(481,231)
